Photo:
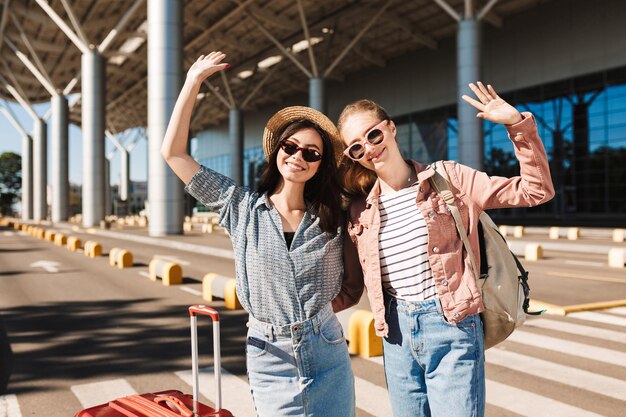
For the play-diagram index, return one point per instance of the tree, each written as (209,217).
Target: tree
(10,181)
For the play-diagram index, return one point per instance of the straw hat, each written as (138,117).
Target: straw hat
(277,123)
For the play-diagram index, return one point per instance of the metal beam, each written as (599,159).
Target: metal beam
(214,26)
(448,9)
(486,9)
(3,20)
(106,42)
(357,38)
(32,68)
(12,119)
(70,86)
(228,90)
(22,100)
(259,85)
(279,45)
(419,37)
(469,9)
(77,26)
(307,36)
(32,51)
(84,48)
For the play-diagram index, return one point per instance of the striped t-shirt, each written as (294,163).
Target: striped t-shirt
(403,247)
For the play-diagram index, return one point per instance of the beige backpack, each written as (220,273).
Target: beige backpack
(502,278)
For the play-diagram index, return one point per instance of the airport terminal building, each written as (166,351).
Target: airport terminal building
(562,60)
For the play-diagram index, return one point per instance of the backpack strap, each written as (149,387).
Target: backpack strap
(441,183)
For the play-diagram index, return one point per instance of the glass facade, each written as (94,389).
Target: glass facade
(582,123)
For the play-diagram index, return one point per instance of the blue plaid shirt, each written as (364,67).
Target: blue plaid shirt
(274,284)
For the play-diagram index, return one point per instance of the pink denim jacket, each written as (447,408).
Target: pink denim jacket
(474,192)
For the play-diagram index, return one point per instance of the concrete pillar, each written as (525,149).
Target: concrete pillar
(27,178)
(235,130)
(470,128)
(40,170)
(165,74)
(93,114)
(317,94)
(124,175)
(60,177)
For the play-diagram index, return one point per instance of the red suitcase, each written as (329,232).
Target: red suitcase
(172,403)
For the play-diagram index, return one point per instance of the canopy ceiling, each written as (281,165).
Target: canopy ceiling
(249,31)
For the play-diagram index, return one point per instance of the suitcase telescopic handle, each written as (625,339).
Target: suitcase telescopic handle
(203,310)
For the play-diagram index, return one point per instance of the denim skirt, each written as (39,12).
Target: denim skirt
(301,369)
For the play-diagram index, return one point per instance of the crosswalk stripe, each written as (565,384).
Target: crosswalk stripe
(578,329)
(617,310)
(371,398)
(236,396)
(9,407)
(191,291)
(599,317)
(551,371)
(609,356)
(528,404)
(96,393)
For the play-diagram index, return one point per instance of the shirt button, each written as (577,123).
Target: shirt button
(436,249)
(444,282)
(431,214)
(455,315)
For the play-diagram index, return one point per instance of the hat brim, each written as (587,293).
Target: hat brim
(277,123)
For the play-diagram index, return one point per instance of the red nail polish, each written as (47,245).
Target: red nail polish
(227,66)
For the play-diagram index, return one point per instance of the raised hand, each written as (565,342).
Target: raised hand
(206,66)
(491,106)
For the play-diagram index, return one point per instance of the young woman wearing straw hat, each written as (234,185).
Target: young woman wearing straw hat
(289,254)
(422,292)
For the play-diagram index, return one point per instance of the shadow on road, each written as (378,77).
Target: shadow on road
(113,338)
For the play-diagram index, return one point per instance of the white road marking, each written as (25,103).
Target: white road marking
(7,233)
(96,393)
(586,263)
(599,354)
(191,291)
(617,310)
(48,266)
(599,317)
(578,329)
(9,407)
(551,371)
(528,404)
(144,274)
(172,259)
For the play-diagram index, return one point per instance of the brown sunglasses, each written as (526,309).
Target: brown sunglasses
(309,155)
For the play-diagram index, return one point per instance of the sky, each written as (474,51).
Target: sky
(11,141)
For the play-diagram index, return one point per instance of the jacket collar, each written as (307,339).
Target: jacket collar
(424,172)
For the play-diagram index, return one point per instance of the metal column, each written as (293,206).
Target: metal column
(317,94)
(27,178)
(235,130)
(40,170)
(124,175)
(470,128)
(60,178)
(93,125)
(165,58)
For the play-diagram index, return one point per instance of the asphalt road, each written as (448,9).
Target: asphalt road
(82,331)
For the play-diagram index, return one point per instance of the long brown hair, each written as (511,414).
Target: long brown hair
(358,180)
(322,190)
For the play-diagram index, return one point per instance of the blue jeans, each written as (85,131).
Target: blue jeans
(302,369)
(433,368)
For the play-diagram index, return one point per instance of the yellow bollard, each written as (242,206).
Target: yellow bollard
(361,334)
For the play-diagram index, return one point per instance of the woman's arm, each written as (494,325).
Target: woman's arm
(174,147)
(534,184)
(352,285)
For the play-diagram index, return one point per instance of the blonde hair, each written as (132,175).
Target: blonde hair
(357,179)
